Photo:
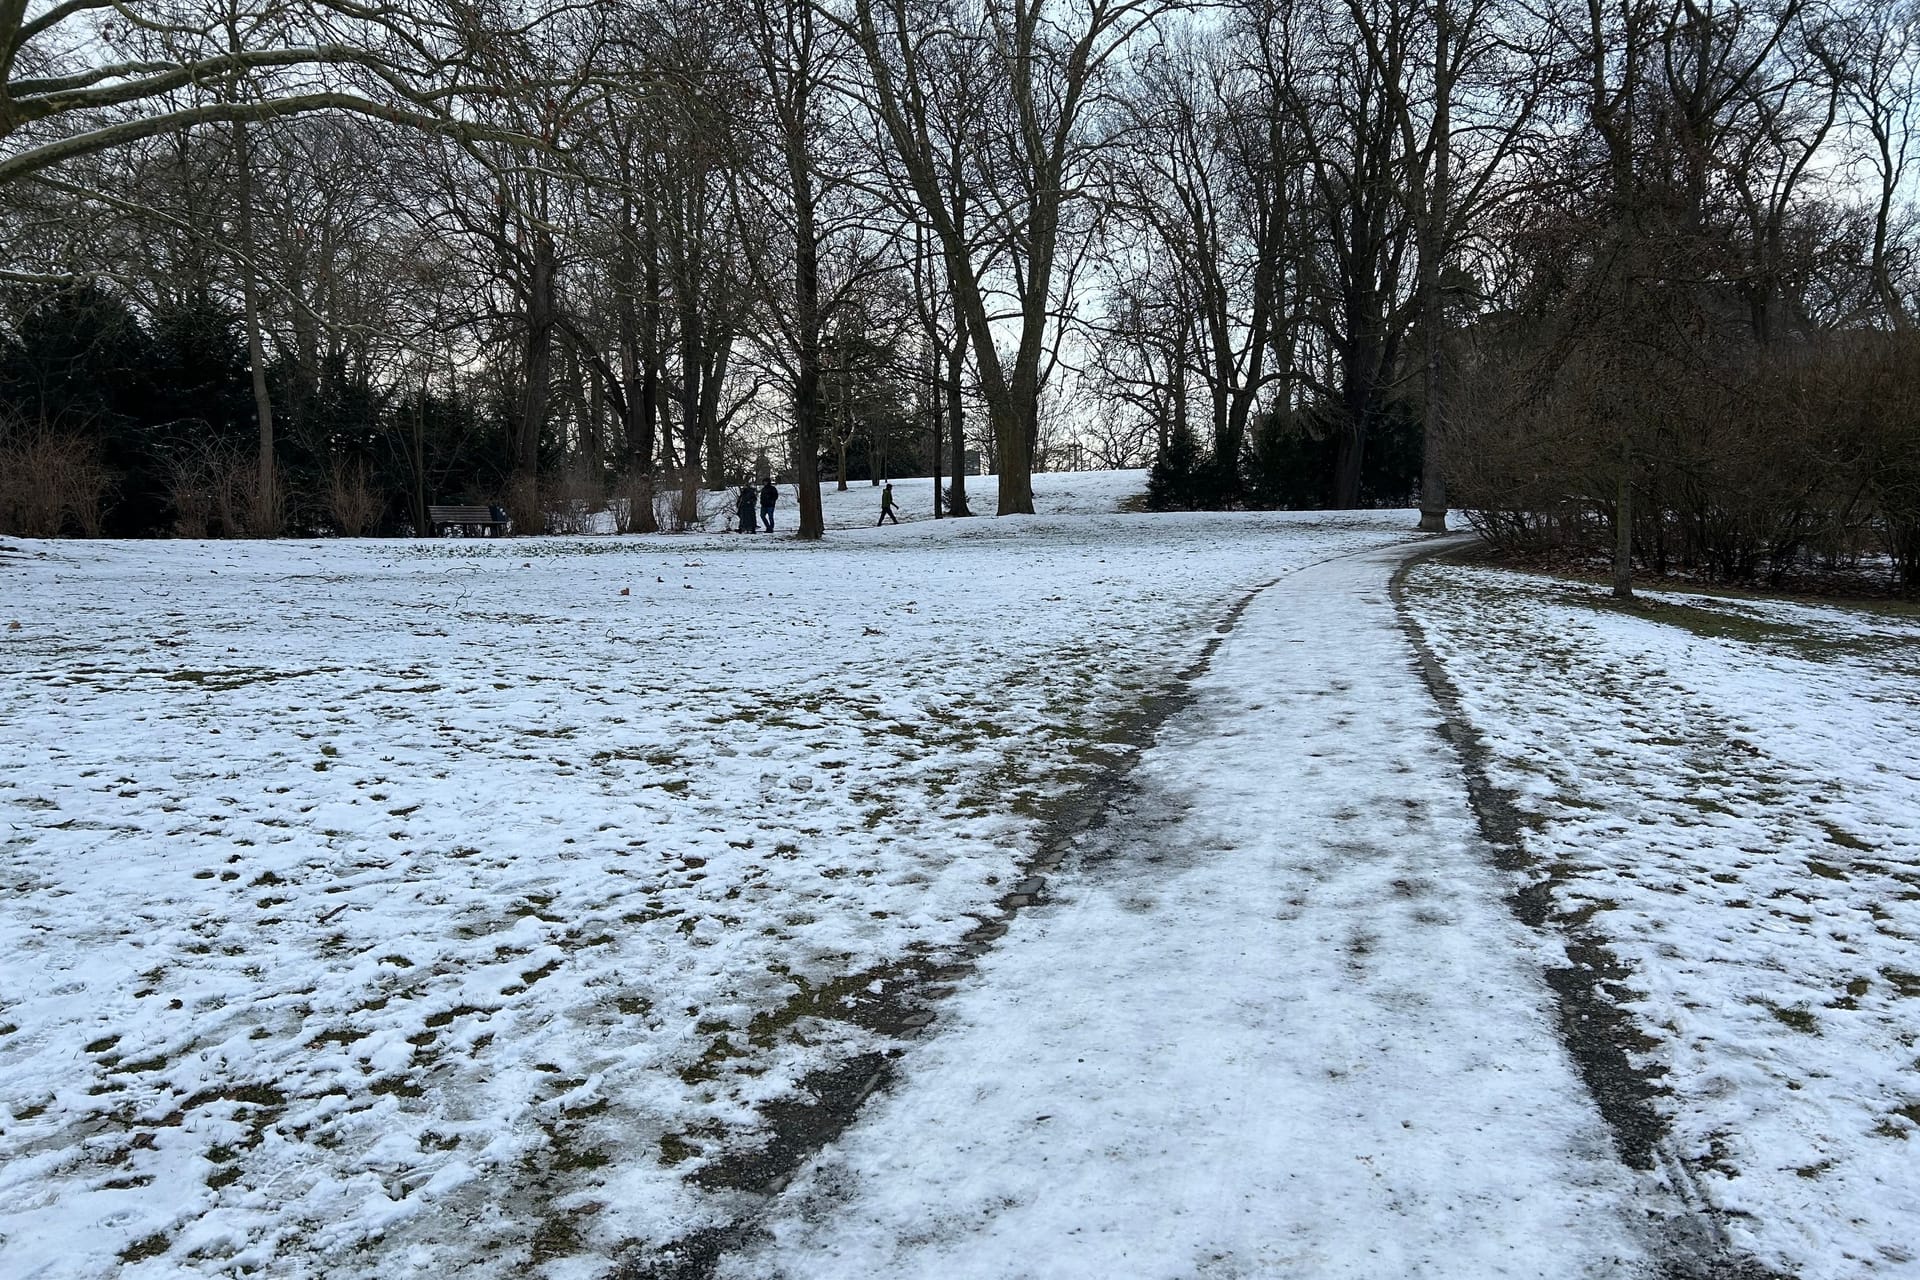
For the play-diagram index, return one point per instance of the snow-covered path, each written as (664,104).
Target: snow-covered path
(1275,1019)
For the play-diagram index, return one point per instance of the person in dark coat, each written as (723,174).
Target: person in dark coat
(886,506)
(744,507)
(769,494)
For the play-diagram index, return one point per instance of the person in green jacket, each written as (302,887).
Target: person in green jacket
(886,506)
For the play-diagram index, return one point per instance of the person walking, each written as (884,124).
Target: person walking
(744,507)
(886,507)
(769,494)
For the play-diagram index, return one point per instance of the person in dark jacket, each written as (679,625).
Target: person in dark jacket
(744,507)
(886,506)
(769,494)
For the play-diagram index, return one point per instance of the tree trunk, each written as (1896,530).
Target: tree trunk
(1879,264)
(1432,248)
(306,368)
(640,387)
(523,489)
(957,424)
(956,368)
(1011,460)
(1623,528)
(643,401)
(692,363)
(593,445)
(843,429)
(421,527)
(264,519)
(1179,425)
(807,322)
(1015,430)
(1348,455)
(806,446)
(713,381)
(1368,356)
(1356,402)
(934,411)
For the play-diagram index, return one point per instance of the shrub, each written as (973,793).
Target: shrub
(1748,463)
(351,499)
(50,483)
(572,500)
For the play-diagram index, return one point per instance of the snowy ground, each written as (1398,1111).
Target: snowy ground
(1727,793)
(387,908)
(460,908)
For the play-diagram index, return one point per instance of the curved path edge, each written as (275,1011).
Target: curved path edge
(1597,1034)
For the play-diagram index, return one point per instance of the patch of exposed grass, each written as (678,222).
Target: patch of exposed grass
(237,677)
(1738,626)
(1845,839)
(712,1061)
(397,1086)
(1800,1020)
(147,1247)
(557,1236)
(446,1016)
(1905,984)
(531,976)
(253,1095)
(1856,988)
(845,998)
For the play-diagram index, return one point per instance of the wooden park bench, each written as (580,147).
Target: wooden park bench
(466,519)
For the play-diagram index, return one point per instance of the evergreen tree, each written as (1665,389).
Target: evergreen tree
(1170,481)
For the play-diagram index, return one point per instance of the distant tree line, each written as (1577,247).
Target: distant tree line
(1636,274)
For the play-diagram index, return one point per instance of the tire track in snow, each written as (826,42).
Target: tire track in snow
(1596,1033)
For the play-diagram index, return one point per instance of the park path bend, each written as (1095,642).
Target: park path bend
(1275,1019)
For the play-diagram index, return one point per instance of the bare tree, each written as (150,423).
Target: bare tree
(1873,54)
(87,75)
(1206,175)
(1046,70)
(810,200)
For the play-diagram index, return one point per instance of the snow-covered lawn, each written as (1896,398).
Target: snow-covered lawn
(1727,792)
(391,908)
(467,908)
